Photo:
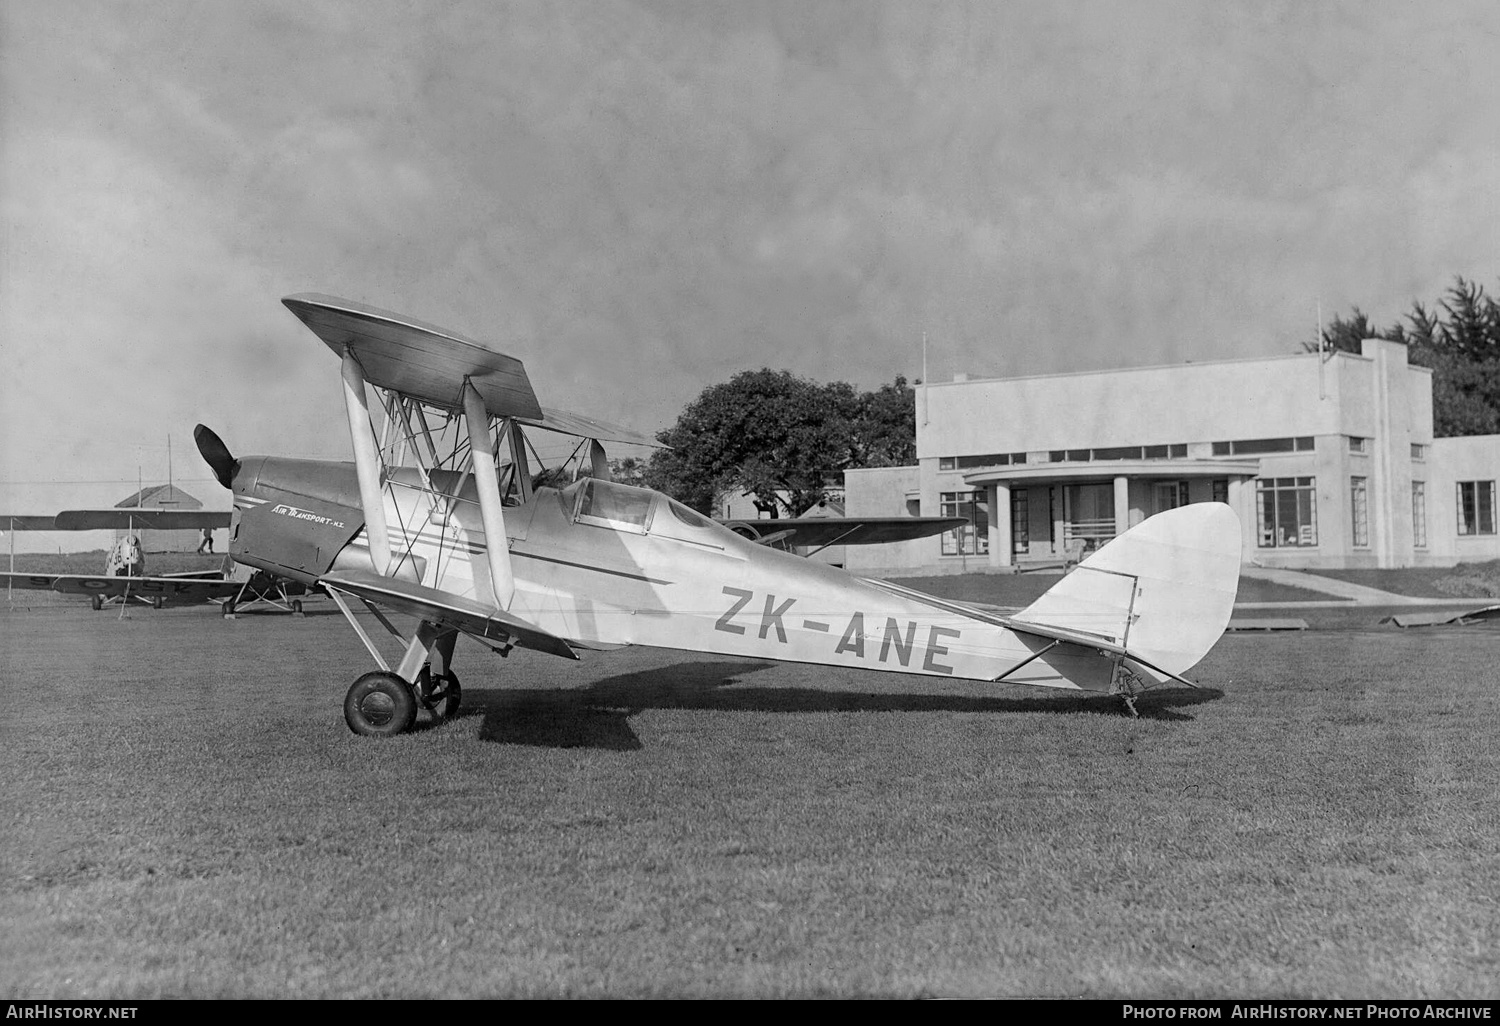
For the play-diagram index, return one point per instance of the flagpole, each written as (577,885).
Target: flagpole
(1322,394)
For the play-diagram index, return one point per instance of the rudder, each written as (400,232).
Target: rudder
(1164,589)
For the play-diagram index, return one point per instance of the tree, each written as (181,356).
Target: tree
(629,470)
(1461,345)
(784,440)
(885,432)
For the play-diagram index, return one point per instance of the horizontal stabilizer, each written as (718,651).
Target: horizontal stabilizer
(417,359)
(443,607)
(1105,645)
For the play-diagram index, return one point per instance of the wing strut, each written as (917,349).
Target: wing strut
(482,449)
(366,463)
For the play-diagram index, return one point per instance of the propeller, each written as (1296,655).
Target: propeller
(216,454)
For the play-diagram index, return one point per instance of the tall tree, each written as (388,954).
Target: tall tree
(1459,340)
(885,429)
(783,439)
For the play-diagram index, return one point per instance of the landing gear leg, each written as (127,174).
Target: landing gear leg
(437,686)
(1127,686)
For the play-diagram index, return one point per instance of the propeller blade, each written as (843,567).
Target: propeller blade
(216,454)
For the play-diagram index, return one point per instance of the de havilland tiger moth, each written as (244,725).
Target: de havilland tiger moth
(439,517)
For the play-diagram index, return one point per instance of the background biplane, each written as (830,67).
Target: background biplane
(439,517)
(124,580)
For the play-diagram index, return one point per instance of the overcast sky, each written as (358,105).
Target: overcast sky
(641,199)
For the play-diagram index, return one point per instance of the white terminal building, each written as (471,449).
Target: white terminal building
(1328,459)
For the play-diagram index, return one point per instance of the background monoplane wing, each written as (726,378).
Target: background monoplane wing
(26,522)
(825,531)
(442,607)
(170,590)
(135,519)
(416,359)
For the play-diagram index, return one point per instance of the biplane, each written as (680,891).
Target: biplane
(439,517)
(124,581)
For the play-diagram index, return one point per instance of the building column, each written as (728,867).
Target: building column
(1122,505)
(1000,525)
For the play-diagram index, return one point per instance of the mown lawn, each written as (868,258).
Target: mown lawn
(185,814)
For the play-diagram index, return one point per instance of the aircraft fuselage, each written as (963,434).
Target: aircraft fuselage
(600,563)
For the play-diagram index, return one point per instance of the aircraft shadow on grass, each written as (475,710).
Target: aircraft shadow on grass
(598,716)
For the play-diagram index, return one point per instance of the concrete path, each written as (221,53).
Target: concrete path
(1356,594)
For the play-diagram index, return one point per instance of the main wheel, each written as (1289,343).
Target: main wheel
(439,695)
(157,602)
(97,601)
(380,704)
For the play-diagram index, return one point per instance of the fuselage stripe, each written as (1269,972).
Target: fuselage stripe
(585,566)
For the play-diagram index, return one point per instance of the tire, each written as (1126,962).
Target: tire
(97,601)
(297,606)
(228,607)
(158,602)
(380,704)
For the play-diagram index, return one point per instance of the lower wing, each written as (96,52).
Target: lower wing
(170,589)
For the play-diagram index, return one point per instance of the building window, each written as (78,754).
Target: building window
(1263,446)
(1476,507)
(1116,452)
(1418,452)
(1359,511)
(1169,495)
(1020,522)
(1358,444)
(1419,514)
(971,539)
(1221,489)
(992,459)
(1286,512)
(1088,513)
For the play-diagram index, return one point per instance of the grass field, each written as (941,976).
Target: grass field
(185,814)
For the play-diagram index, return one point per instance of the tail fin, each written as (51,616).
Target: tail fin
(1164,589)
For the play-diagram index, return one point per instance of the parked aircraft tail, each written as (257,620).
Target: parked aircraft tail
(1163,590)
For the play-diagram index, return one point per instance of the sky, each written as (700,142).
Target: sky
(641,199)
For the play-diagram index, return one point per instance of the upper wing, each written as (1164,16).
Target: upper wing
(129,519)
(431,364)
(588,427)
(170,589)
(824,531)
(418,359)
(441,607)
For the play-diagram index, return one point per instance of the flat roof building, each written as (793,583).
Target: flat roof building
(1328,459)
